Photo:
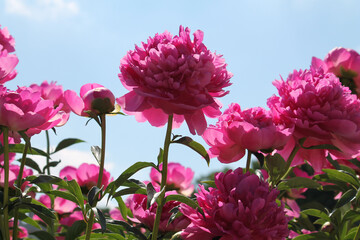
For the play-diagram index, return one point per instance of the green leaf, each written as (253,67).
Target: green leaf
(101,218)
(26,219)
(197,147)
(298,182)
(342,176)
(151,195)
(131,190)
(183,199)
(66,195)
(19,148)
(132,230)
(43,235)
(51,164)
(316,213)
(75,230)
(275,164)
(126,175)
(75,189)
(211,183)
(346,198)
(160,156)
(41,178)
(313,236)
(32,164)
(101,236)
(39,209)
(92,195)
(122,207)
(66,143)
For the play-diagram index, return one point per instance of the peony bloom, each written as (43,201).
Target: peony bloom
(173,75)
(94,99)
(21,232)
(54,93)
(25,110)
(345,64)
(241,207)
(8,61)
(116,214)
(322,111)
(86,175)
(137,204)
(179,178)
(61,205)
(76,216)
(237,130)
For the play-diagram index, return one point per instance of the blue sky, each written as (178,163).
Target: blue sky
(75,42)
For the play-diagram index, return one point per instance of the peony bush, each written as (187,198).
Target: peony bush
(301,179)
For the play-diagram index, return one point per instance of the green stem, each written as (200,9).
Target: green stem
(6,182)
(288,162)
(357,235)
(19,183)
(163,178)
(248,160)
(47,151)
(101,172)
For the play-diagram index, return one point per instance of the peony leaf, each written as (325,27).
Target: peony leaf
(32,164)
(130,190)
(186,200)
(313,236)
(75,189)
(75,230)
(101,218)
(92,195)
(160,156)
(130,229)
(197,147)
(343,176)
(43,235)
(298,182)
(346,198)
(316,213)
(66,195)
(122,207)
(51,164)
(48,179)
(19,148)
(151,193)
(96,151)
(67,143)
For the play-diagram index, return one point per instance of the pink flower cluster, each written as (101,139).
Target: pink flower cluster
(8,61)
(241,207)
(236,131)
(173,75)
(322,111)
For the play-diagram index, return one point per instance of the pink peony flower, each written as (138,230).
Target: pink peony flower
(179,178)
(54,93)
(25,110)
(86,175)
(173,75)
(322,111)
(76,216)
(8,61)
(94,99)
(237,130)
(21,232)
(137,204)
(61,205)
(345,64)
(241,207)
(116,214)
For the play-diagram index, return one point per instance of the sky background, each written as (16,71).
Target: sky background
(74,42)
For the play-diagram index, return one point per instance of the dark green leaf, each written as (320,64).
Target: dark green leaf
(19,148)
(197,147)
(131,190)
(160,156)
(42,235)
(346,198)
(101,218)
(122,207)
(211,183)
(47,179)
(66,195)
(275,164)
(75,230)
(133,230)
(32,164)
(51,164)
(66,143)
(298,182)
(26,219)
(151,192)
(39,209)
(101,236)
(260,157)
(93,195)
(313,236)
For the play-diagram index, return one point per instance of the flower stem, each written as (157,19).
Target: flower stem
(357,235)
(101,172)
(6,182)
(47,151)
(289,161)
(163,178)
(248,160)
(19,183)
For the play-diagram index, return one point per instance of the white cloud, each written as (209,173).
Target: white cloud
(42,9)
